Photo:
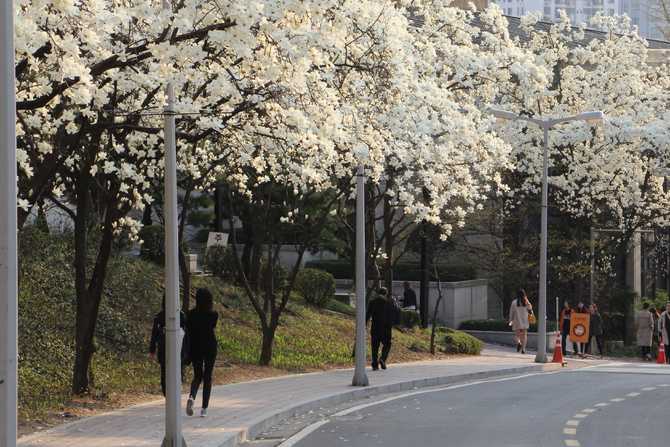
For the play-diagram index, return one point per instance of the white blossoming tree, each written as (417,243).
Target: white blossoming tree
(604,174)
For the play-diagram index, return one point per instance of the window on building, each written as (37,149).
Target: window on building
(547,11)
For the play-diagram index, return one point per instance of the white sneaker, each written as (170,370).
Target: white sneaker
(203,413)
(189,407)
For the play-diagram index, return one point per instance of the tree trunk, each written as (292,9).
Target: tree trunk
(389,244)
(218,210)
(423,288)
(147,215)
(267,344)
(84,346)
(628,305)
(89,293)
(433,329)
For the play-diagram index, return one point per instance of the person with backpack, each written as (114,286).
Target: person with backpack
(384,313)
(157,343)
(519,313)
(202,320)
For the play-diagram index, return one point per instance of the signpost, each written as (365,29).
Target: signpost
(217,239)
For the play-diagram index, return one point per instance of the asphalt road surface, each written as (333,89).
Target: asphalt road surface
(606,406)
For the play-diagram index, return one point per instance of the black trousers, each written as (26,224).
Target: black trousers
(377,340)
(599,342)
(667,350)
(203,367)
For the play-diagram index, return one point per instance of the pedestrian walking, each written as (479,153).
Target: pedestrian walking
(519,312)
(202,321)
(566,312)
(664,330)
(644,322)
(656,313)
(595,329)
(384,313)
(157,343)
(580,348)
(409,297)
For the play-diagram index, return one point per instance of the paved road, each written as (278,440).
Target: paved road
(605,406)
(239,409)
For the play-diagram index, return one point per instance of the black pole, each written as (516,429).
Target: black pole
(218,208)
(423,299)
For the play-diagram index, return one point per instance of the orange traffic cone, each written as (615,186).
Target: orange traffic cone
(558,351)
(661,353)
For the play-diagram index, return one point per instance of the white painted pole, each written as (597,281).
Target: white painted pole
(360,377)
(8,256)
(173,423)
(541,356)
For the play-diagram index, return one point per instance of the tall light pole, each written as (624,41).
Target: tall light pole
(360,377)
(173,432)
(545,124)
(8,256)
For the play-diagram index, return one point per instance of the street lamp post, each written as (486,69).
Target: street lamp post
(360,377)
(173,421)
(545,124)
(8,256)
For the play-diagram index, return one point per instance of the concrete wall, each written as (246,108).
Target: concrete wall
(465,300)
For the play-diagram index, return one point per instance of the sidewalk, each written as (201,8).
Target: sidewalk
(243,410)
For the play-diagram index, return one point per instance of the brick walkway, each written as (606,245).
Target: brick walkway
(238,409)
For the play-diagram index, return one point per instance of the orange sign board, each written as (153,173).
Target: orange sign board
(579,327)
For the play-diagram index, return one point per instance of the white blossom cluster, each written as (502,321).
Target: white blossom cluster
(299,92)
(607,171)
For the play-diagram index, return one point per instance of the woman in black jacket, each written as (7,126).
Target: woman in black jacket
(201,324)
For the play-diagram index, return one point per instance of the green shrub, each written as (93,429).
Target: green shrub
(316,286)
(409,318)
(153,246)
(221,262)
(457,342)
(497,325)
(344,269)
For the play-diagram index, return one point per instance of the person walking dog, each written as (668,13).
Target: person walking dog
(519,314)
(202,321)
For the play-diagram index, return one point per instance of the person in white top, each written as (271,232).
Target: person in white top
(518,319)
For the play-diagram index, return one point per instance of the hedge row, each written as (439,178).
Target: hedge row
(497,325)
(457,342)
(344,269)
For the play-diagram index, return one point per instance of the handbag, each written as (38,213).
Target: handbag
(531,318)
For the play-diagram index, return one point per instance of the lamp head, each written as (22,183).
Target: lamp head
(503,115)
(592,117)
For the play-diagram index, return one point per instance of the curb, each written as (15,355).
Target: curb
(264,423)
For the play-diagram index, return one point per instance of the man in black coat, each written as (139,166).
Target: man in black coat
(381,311)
